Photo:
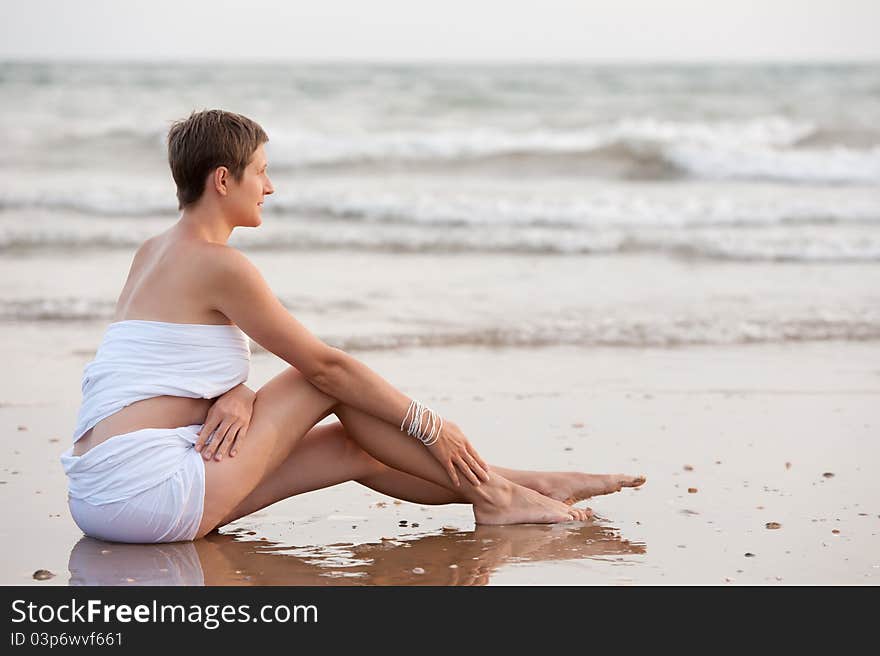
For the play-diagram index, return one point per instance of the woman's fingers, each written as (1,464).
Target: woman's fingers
(472,477)
(450,469)
(209,442)
(205,433)
(481,462)
(228,438)
(476,467)
(211,434)
(231,436)
(238,438)
(219,439)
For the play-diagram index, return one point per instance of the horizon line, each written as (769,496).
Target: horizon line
(80,59)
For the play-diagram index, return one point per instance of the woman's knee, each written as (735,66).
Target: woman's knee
(350,451)
(290,392)
(291,383)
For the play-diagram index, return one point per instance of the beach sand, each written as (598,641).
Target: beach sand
(763,433)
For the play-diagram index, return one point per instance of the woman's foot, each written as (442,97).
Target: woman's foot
(515,504)
(571,487)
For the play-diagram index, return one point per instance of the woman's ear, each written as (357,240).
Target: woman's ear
(221,180)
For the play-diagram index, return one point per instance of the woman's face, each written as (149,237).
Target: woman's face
(245,198)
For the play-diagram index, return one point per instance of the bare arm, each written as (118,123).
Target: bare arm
(349,378)
(354,383)
(239,291)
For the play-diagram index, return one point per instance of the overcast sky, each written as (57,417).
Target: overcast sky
(443,30)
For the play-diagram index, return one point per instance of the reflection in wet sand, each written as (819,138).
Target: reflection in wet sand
(444,558)
(94,562)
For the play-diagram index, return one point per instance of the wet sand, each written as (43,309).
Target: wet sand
(763,433)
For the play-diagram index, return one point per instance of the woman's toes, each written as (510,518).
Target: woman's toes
(582,514)
(621,481)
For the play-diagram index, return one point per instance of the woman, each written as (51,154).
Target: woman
(170,444)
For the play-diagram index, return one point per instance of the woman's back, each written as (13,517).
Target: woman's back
(163,285)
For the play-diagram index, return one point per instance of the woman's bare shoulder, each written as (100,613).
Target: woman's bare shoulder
(217,268)
(213,257)
(196,251)
(193,264)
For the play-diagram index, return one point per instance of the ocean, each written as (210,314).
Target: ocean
(485,205)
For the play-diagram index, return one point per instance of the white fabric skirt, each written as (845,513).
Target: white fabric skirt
(145,486)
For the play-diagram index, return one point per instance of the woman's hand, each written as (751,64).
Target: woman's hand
(453,451)
(228,418)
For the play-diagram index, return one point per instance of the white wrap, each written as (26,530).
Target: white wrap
(140,359)
(148,485)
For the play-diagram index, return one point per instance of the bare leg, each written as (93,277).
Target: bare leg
(568,487)
(329,454)
(326,456)
(498,501)
(288,407)
(398,480)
